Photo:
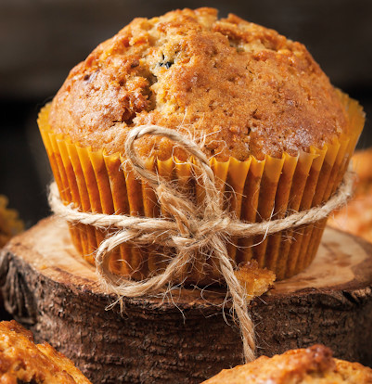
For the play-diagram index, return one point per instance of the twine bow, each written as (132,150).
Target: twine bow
(189,229)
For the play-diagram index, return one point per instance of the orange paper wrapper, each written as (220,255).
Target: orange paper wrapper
(254,190)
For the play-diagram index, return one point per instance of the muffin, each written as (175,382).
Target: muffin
(10,224)
(23,361)
(314,365)
(356,217)
(277,134)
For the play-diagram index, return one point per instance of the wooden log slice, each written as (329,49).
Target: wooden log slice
(183,339)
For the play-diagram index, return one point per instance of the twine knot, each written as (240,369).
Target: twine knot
(193,230)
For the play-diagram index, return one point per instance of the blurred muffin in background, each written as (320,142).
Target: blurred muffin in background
(356,217)
(10,224)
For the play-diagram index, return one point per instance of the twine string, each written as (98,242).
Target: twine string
(188,230)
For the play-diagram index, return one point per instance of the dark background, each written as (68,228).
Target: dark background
(41,40)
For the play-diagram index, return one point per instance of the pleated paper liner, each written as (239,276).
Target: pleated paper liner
(254,190)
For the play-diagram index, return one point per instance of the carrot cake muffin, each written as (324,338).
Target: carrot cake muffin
(277,133)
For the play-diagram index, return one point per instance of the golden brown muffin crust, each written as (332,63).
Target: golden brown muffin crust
(22,361)
(313,365)
(234,86)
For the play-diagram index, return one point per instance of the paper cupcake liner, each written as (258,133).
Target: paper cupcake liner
(254,190)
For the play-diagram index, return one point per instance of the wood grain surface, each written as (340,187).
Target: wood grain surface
(47,286)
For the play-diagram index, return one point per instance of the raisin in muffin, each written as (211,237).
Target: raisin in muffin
(277,133)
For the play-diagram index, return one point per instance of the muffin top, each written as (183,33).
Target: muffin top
(314,365)
(22,361)
(236,88)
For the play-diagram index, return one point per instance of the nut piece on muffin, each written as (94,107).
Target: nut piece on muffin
(277,134)
(314,365)
(23,361)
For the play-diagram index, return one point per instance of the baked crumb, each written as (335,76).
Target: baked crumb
(255,280)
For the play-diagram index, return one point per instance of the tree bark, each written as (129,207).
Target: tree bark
(48,287)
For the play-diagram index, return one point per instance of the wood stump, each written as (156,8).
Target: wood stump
(48,287)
